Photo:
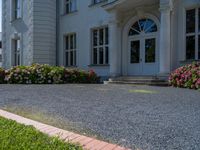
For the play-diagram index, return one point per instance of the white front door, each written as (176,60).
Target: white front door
(143,49)
(143,55)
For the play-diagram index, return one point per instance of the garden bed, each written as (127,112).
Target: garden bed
(45,74)
(17,136)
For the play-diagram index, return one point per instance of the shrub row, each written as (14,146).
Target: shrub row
(2,75)
(187,76)
(45,74)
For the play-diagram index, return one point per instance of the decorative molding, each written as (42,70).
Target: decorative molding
(167,5)
(16,35)
(114,18)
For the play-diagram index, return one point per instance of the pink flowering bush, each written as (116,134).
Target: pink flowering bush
(45,74)
(2,75)
(77,76)
(187,76)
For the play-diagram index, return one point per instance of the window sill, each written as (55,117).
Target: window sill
(92,65)
(70,13)
(15,20)
(71,67)
(189,61)
(98,4)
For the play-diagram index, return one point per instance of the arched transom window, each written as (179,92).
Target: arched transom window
(144,25)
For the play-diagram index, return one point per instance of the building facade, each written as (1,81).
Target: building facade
(1,59)
(112,37)
(29,32)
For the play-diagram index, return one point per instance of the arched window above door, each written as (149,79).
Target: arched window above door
(144,25)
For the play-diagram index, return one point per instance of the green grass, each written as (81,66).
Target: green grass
(53,120)
(142,91)
(14,136)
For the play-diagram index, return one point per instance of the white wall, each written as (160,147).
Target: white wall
(178,30)
(36,29)
(44,32)
(0,48)
(81,23)
(21,27)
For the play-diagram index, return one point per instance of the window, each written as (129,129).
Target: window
(100,48)
(70,6)
(150,50)
(193,34)
(70,50)
(0,44)
(16,44)
(143,25)
(16,9)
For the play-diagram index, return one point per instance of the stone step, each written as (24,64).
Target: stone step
(138,83)
(139,80)
(137,77)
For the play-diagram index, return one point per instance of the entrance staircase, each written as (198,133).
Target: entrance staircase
(140,80)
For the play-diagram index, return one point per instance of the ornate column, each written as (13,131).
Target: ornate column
(115,57)
(165,34)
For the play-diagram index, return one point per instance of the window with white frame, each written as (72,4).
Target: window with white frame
(70,50)
(100,46)
(70,6)
(16,9)
(193,34)
(16,46)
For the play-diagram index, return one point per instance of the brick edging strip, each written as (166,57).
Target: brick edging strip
(87,142)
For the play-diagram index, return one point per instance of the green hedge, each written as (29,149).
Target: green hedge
(46,74)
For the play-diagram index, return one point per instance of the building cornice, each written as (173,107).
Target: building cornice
(112,4)
(166,5)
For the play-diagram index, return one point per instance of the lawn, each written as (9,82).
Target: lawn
(14,136)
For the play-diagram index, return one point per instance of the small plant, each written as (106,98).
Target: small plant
(187,76)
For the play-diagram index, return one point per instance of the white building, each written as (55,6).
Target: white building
(1,50)
(113,37)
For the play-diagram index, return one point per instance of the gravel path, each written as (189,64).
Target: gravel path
(143,117)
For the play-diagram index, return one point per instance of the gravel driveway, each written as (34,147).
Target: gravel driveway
(143,117)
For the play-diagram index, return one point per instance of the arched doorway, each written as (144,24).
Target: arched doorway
(142,55)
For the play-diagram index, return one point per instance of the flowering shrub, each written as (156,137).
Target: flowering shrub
(45,74)
(2,75)
(187,76)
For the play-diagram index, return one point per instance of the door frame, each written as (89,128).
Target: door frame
(125,40)
(142,38)
(137,66)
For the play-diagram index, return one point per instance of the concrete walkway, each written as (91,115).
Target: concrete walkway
(86,142)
